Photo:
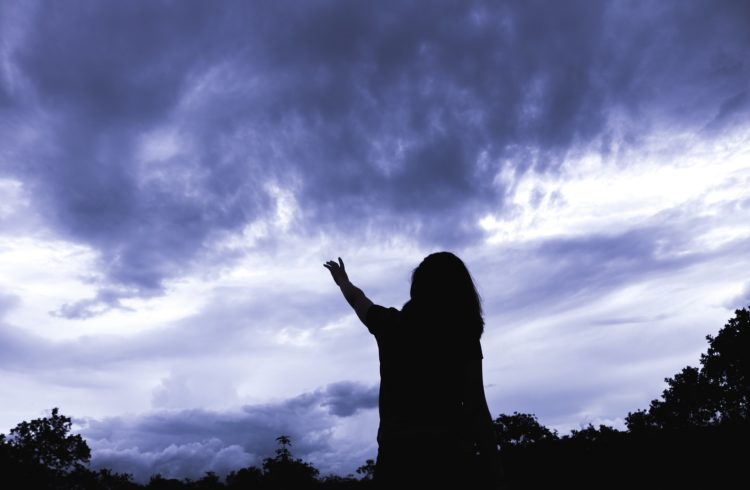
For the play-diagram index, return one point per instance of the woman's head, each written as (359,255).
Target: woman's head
(442,285)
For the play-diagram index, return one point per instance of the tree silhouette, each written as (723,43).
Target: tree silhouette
(590,436)
(726,366)
(718,392)
(42,451)
(283,452)
(284,471)
(521,429)
(46,442)
(158,482)
(209,481)
(690,401)
(702,416)
(336,482)
(104,479)
(367,470)
(245,478)
(691,437)
(525,447)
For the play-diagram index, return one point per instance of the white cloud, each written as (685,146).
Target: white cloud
(594,194)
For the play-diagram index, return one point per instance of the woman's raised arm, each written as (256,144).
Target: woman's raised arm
(354,296)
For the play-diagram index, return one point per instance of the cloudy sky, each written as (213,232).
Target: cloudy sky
(173,175)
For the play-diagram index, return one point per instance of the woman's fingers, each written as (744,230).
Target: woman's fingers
(334,267)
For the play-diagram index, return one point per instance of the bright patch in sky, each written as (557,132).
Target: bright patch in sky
(595,194)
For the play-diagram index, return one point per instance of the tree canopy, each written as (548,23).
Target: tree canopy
(716,393)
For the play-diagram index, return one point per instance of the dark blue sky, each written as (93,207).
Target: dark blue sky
(173,175)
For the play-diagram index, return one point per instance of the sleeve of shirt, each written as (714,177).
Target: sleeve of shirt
(379,318)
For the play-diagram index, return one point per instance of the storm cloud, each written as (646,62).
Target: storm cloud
(181,443)
(147,130)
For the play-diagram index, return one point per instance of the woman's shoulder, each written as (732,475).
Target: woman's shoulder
(378,318)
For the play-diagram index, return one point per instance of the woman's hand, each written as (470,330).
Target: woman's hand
(337,271)
(353,295)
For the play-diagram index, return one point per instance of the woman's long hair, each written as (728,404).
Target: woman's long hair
(444,298)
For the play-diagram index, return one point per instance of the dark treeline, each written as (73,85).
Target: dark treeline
(695,436)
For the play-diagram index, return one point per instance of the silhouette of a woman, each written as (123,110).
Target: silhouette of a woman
(435,426)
